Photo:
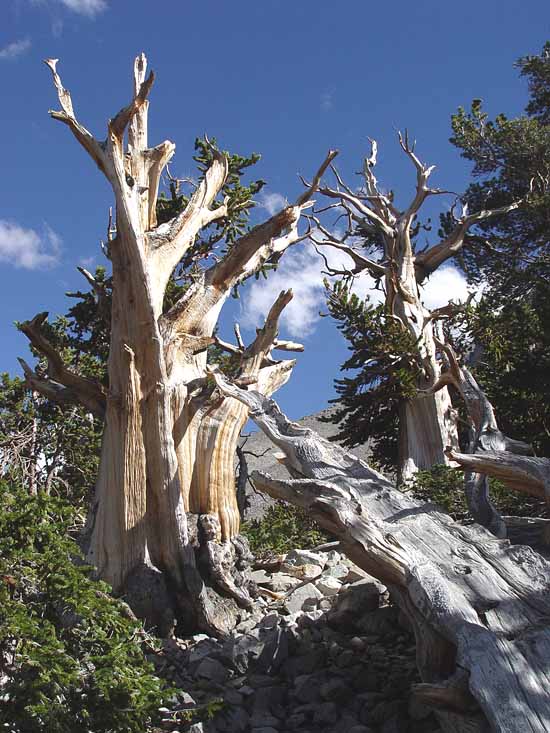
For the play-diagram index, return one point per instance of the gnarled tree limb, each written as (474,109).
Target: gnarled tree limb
(528,474)
(478,605)
(67,116)
(486,436)
(88,392)
(428,261)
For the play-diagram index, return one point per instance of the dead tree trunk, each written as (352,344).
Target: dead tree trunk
(165,491)
(427,426)
(485,437)
(480,608)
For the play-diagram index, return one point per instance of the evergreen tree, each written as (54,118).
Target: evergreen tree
(511,256)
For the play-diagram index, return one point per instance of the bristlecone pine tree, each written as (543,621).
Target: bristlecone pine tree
(383,238)
(165,504)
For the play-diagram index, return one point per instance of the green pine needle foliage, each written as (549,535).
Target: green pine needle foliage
(71,656)
(283,528)
(444,486)
(383,362)
(220,235)
(514,367)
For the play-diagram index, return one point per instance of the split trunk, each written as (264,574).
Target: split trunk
(165,511)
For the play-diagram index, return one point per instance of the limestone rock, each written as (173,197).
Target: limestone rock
(355,601)
(306,557)
(304,597)
(212,670)
(302,572)
(328,585)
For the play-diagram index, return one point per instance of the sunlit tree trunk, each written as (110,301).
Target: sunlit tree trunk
(165,495)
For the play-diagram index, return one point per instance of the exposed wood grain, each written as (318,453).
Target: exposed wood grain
(478,604)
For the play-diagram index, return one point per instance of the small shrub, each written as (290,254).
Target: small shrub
(71,656)
(283,528)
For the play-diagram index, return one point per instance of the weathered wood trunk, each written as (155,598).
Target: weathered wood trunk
(165,497)
(479,607)
(485,437)
(426,427)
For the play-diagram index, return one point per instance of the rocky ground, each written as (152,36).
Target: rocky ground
(323,651)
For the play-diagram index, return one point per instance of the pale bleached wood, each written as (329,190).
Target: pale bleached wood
(479,606)
(170,439)
(426,427)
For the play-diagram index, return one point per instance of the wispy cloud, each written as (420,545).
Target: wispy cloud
(57,28)
(300,269)
(15,49)
(26,248)
(327,101)
(90,8)
(85,7)
(271,202)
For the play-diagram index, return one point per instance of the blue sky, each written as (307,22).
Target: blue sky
(286,79)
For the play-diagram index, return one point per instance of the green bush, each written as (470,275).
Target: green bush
(71,656)
(444,485)
(283,528)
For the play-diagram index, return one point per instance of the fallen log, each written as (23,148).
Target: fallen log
(479,606)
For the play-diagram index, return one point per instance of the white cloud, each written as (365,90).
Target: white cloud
(57,28)
(444,285)
(15,49)
(85,7)
(26,248)
(271,202)
(301,269)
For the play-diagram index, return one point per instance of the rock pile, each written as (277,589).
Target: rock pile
(322,651)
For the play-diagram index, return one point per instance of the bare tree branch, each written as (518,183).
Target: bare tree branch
(423,172)
(237,330)
(267,335)
(171,240)
(429,261)
(287,345)
(86,391)
(121,120)
(314,185)
(253,249)
(226,346)
(365,211)
(527,474)
(67,116)
(361,263)
(100,292)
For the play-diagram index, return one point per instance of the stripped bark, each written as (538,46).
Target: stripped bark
(426,426)
(169,440)
(479,607)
